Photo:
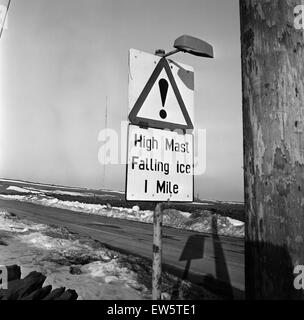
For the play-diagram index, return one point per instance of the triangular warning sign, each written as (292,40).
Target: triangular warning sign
(160,105)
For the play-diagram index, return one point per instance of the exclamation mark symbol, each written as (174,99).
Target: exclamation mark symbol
(163,87)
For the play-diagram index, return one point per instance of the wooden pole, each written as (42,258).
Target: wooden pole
(157,252)
(273,118)
(157,238)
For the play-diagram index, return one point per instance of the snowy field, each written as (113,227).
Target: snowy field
(82,264)
(205,221)
(66,261)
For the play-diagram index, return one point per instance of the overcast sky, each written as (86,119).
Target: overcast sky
(61,60)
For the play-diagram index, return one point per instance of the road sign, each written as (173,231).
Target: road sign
(160,165)
(161,92)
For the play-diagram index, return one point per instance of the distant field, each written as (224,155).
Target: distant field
(117,199)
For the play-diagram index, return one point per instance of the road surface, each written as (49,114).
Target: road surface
(209,260)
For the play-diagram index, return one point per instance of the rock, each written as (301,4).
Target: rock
(18,289)
(133,284)
(81,259)
(9,215)
(75,270)
(165,296)
(136,209)
(39,294)
(68,295)
(73,258)
(2,243)
(110,279)
(30,288)
(14,273)
(54,294)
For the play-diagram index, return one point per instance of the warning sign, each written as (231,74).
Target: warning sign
(160,165)
(160,92)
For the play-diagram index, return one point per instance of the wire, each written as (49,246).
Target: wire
(2,27)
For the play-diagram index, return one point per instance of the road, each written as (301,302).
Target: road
(209,260)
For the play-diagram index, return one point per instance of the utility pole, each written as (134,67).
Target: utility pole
(273,118)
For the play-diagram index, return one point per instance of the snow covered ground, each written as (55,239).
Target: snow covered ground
(205,221)
(22,190)
(66,261)
(80,263)
(25,183)
(31,190)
